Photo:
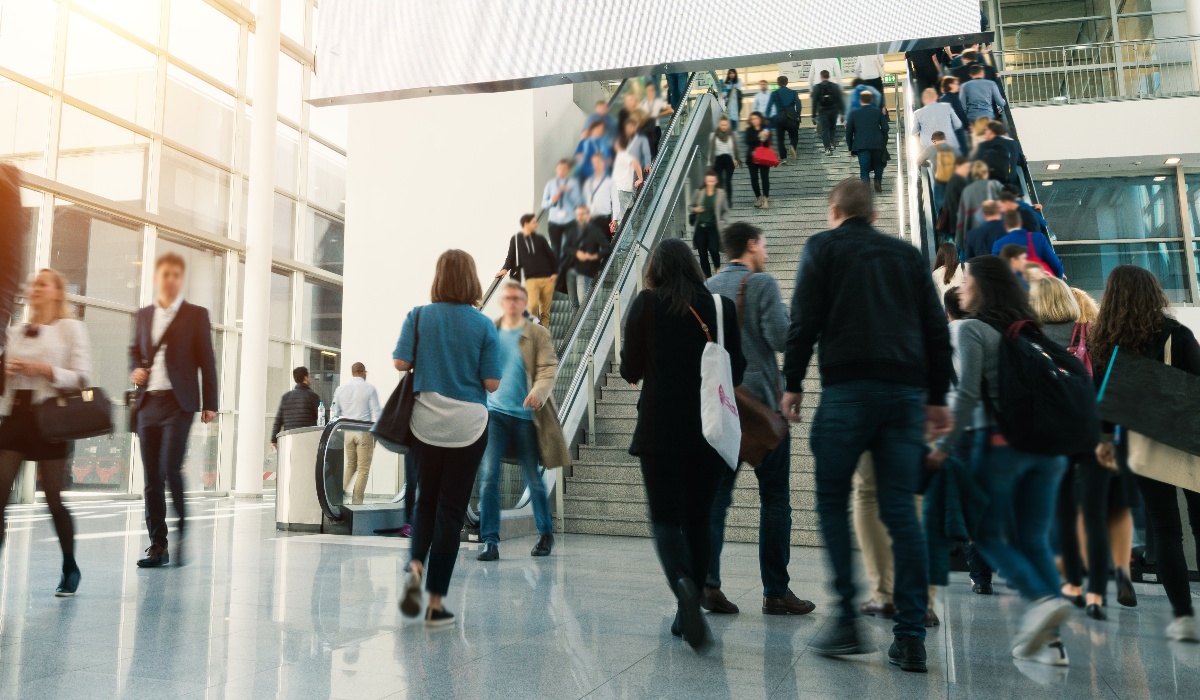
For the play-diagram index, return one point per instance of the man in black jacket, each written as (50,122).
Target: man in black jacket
(297,408)
(1003,155)
(866,137)
(827,107)
(884,355)
(530,253)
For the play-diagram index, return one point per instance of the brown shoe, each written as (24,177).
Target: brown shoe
(931,618)
(874,607)
(879,187)
(714,601)
(786,604)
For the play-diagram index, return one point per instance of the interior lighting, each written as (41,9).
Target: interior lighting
(1047,183)
(1160,178)
(1054,166)
(1172,161)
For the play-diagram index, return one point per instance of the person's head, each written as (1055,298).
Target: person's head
(723,124)
(991,210)
(745,243)
(949,84)
(1008,201)
(601,107)
(529,224)
(928,96)
(1132,312)
(455,279)
(168,276)
(731,76)
(513,300)
(781,81)
(358,369)
(597,130)
(563,168)
(851,198)
(47,294)
(1012,220)
(630,101)
(756,120)
(954,312)
(938,137)
(300,375)
(1015,256)
(979,126)
(946,261)
(651,91)
(995,128)
(636,118)
(979,170)
(583,214)
(710,179)
(991,292)
(1033,272)
(1088,308)
(962,166)
(976,72)
(970,56)
(867,97)
(673,273)
(599,165)
(763,86)
(824,75)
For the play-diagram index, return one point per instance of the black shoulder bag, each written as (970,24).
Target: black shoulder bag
(392,429)
(75,414)
(132,395)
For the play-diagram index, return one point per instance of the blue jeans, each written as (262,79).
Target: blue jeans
(939,196)
(869,160)
(501,429)
(1014,535)
(774,520)
(889,421)
(676,84)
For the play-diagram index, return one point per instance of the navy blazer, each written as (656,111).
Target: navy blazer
(867,129)
(189,349)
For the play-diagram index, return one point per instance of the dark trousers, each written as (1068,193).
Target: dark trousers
(774,520)
(870,160)
(708,245)
(827,128)
(1087,490)
(163,433)
(762,172)
(410,486)
(889,421)
(1165,523)
(876,83)
(978,569)
(724,166)
(792,132)
(556,236)
(680,489)
(676,84)
(445,476)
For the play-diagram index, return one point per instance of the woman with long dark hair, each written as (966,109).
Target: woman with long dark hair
(759,134)
(947,271)
(723,155)
(1014,534)
(1133,317)
(731,91)
(669,324)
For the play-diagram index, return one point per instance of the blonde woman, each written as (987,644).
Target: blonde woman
(979,131)
(1088,308)
(48,354)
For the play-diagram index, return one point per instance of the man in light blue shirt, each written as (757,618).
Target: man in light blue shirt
(559,199)
(357,400)
(980,97)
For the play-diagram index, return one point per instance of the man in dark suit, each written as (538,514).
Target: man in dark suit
(867,138)
(172,343)
(14,228)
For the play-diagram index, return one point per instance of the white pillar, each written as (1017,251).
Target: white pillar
(256,299)
(1192,8)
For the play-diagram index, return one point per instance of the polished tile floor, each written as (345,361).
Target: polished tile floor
(260,614)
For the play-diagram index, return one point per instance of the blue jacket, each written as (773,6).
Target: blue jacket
(1041,246)
(189,350)
(783,97)
(981,98)
(953,508)
(856,96)
(867,130)
(981,239)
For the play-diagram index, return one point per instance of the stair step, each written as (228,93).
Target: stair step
(801,537)
(633,491)
(744,515)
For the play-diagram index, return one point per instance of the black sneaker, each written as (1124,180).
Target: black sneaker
(542,549)
(439,617)
(908,653)
(491,552)
(841,640)
(982,588)
(68,584)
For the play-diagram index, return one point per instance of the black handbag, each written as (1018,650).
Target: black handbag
(133,395)
(392,429)
(75,415)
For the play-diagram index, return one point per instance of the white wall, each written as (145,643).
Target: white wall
(1132,128)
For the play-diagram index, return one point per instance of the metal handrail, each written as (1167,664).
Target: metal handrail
(331,511)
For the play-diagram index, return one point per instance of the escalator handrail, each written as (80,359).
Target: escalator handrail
(331,511)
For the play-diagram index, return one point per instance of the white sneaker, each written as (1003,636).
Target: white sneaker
(1183,629)
(1052,654)
(1039,622)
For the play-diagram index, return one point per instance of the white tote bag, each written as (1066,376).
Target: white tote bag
(718,408)
(1154,460)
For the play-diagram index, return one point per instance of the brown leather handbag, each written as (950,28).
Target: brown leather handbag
(762,426)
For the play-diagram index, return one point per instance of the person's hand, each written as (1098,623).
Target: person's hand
(1106,455)
(1038,207)
(207,416)
(139,376)
(553,278)
(612,226)
(790,405)
(557,196)
(638,183)
(580,255)
(934,460)
(698,210)
(532,401)
(274,446)
(501,274)
(938,421)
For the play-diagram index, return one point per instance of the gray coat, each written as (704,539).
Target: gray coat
(719,201)
(764,327)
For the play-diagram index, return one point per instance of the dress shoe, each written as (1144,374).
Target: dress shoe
(691,620)
(879,187)
(714,601)
(675,626)
(982,588)
(68,584)
(840,640)
(1096,612)
(490,552)
(786,604)
(542,549)
(156,555)
(1125,594)
(931,618)
(1076,600)
(874,607)
(909,654)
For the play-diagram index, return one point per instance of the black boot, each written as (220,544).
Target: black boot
(490,552)
(69,583)
(542,549)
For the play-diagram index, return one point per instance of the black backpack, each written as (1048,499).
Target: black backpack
(827,101)
(998,160)
(1047,400)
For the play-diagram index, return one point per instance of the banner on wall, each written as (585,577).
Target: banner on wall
(369,50)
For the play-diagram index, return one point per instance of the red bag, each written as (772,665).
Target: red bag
(763,155)
(1032,257)
(1078,346)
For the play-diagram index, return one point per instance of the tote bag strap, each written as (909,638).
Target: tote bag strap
(1167,352)
(416,338)
(720,320)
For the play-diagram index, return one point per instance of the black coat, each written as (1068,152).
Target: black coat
(662,351)
(867,129)
(189,351)
(950,199)
(532,254)
(14,228)
(998,157)
(297,409)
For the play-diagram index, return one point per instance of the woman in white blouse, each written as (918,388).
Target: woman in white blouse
(48,354)
(947,271)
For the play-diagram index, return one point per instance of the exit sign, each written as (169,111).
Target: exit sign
(889,78)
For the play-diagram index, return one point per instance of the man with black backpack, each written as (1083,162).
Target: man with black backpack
(827,108)
(785,102)
(1004,156)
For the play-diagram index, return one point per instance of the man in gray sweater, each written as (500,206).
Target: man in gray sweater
(764,320)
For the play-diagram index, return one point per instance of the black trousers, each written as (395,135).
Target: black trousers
(410,487)
(827,126)
(445,476)
(556,236)
(792,132)
(723,164)
(876,83)
(680,489)
(163,429)
(707,241)
(1166,524)
(1095,491)
(762,172)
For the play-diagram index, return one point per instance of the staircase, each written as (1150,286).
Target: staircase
(605,495)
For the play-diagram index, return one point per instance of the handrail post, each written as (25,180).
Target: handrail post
(591,390)
(616,327)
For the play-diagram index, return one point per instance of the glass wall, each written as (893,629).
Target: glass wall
(1031,24)
(150,121)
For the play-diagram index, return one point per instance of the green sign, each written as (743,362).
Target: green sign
(889,78)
